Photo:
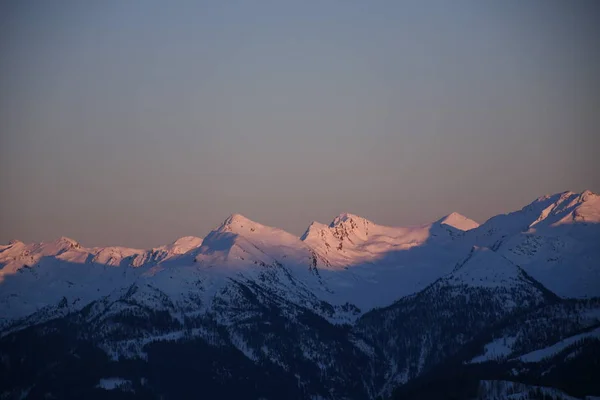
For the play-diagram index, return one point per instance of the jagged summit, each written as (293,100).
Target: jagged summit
(237,222)
(566,193)
(236,219)
(565,208)
(458,221)
(561,209)
(342,225)
(567,196)
(589,209)
(60,245)
(587,194)
(313,229)
(350,226)
(63,240)
(347,217)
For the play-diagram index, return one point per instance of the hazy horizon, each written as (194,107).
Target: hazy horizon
(135,123)
(297,233)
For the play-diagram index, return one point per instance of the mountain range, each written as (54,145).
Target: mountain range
(349,310)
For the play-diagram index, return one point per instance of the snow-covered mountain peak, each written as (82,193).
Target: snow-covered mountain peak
(544,202)
(314,229)
(588,195)
(567,208)
(183,245)
(458,221)
(237,223)
(346,225)
(115,255)
(54,248)
(12,250)
(561,209)
(241,226)
(565,195)
(553,197)
(65,242)
(11,245)
(351,240)
(347,217)
(586,209)
(240,241)
(186,241)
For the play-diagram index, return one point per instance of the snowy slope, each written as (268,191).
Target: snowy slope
(486,268)
(565,210)
(541,354)
(555,239)
(541,329)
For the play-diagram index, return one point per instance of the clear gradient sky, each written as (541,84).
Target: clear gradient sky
(136,122)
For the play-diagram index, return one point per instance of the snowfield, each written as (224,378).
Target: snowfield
(541,354)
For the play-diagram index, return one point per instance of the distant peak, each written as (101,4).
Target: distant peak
(186,242)
(237,223)
(450,217)
(564,197)
(557,196)
(186,239)
(63,240)
(458,221)
(588,195)
(312,229)
(346,217)
(564,208)
(350,226)
(236,219)
(183,244)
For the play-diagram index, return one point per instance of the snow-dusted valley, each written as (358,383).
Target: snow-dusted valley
(350,310)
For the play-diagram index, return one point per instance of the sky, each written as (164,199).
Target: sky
(137,122)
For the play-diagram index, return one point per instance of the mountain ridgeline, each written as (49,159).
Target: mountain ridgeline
(350,310)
